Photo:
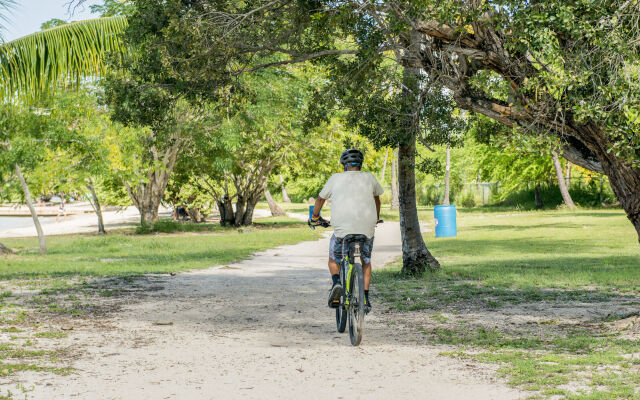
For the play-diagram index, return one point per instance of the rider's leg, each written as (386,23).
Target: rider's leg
(334,267)
(366,271)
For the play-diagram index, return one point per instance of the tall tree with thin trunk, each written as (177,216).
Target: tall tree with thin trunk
(95,203)
(285,196)
(568,176)
(447,170)
(395,202)
(275,209)
(561,181)
(34,215)
(384,166)
(538,197)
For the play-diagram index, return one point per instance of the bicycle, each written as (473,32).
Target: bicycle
(352,302)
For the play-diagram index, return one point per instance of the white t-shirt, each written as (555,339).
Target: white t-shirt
(353,209)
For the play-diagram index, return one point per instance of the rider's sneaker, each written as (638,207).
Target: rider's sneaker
(334,296)
(367,306)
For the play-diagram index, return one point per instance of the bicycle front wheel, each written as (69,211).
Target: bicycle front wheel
(356,305)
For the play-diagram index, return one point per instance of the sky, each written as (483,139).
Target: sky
(28,15)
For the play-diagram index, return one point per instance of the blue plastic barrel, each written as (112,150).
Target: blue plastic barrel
(445,217)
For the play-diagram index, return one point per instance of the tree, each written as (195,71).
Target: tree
(564,190)
(78,144)
(19,136)
(226,40)
(285,196)
(394,181)
(227,163)
(447,170)
(275,209)
(542,67)
(34,64)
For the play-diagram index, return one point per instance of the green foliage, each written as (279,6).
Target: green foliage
(52,23)
(583,195)
(73,50)
(111,8)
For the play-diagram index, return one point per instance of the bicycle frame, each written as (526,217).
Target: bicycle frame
(349,271)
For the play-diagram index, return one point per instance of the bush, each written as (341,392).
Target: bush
(585,195)
(467,200)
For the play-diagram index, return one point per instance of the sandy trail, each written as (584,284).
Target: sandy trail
(259,329)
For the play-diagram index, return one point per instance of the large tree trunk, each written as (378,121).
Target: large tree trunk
(415,256)
(248,213)
(241,204)
(195,214)
(285,196)
(395,202)
(623,177)
(384,166)
(96,207)
(447,170)
(147,195)
(36,221)
(561,182)
(145,198)
(276,211)
(225,208)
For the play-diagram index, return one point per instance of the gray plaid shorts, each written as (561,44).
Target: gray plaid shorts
(335,250)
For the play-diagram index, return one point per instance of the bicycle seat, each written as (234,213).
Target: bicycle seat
(354,238)
(349,242)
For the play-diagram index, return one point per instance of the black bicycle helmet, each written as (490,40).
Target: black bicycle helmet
(351,156)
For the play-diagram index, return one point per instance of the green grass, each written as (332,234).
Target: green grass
(171,226)
(544,261)
(125,254)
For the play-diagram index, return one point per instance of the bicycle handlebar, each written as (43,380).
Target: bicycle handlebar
(328,224)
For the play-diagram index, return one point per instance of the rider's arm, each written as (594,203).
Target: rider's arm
(377,200)
(317,207)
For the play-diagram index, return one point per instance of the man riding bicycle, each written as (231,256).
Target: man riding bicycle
(355,209)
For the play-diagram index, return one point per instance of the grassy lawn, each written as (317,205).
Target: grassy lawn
(193,246)
(552,297)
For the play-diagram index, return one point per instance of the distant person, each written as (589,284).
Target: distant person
(355,209)
(61,212)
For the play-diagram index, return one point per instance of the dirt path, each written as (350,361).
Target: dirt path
(259,329)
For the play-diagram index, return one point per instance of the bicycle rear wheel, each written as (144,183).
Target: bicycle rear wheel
(341,312)
(356,305)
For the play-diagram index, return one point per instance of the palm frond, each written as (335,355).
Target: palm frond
(6,6)
(34,64)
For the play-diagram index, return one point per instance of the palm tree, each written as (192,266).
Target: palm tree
(33,66)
